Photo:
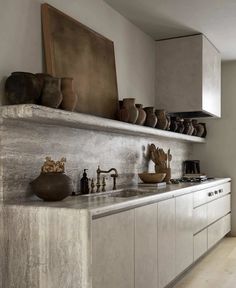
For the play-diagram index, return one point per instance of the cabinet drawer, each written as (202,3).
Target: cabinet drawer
(207,195)
(200,244)
(218,208)
(218,230)
(199,218)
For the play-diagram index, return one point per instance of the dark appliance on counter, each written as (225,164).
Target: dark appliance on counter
(192,167)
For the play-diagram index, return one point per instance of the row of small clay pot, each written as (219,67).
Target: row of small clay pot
(149,116)
(44,89)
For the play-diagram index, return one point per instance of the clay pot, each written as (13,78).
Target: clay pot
(69,96)
(123,113)
(162,122)
(173,124)
(151,118)
(188,127)
(180,122)
(205,130)
(53,186)
(141,115)
(199,128)
(51,94)
(22,88)
(41,78)
(169,122)
(129,105)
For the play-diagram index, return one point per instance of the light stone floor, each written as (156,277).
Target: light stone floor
(216,270)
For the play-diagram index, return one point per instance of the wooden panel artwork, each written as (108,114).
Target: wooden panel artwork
(74,50)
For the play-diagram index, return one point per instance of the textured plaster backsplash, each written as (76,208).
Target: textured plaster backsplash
(25,145)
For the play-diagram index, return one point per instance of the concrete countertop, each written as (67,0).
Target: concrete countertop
(102,204)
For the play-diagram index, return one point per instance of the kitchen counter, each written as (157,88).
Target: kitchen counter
(104,203)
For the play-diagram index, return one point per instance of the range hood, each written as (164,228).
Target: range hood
(188,77)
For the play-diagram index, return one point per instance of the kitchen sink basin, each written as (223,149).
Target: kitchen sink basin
(122,193)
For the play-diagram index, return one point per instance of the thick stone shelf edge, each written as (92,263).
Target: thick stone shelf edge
(45,115)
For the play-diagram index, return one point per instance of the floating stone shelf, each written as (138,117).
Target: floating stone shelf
(41,114)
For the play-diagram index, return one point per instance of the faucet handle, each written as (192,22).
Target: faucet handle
(103,184)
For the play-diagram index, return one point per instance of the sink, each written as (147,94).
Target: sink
(122,193)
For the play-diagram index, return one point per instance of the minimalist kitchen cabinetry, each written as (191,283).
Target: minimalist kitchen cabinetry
(113,251)
(184,232)
(156,242)
(166,242)
(189,76)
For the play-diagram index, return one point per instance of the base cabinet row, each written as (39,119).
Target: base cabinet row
(150,246)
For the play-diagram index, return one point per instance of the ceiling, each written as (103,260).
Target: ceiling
(170,18)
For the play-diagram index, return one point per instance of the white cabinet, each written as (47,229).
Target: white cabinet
(189,76)
(166,242)
(184,232)
(218,208)
(146,247)
(113,251)
(199,218)
(200,244)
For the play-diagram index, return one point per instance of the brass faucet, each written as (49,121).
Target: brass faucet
(114,176)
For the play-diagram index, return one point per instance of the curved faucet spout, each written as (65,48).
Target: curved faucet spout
(114,176)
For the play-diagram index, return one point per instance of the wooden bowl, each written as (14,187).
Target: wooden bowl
(152,177)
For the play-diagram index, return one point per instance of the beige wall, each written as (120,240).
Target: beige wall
(21,45)
(218,155)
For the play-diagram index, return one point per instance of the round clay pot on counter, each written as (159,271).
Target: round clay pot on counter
(52,186)
(69,97)
(151,118)
(162,122)
(141,115)
(51,94)
(129,105)
(22,88)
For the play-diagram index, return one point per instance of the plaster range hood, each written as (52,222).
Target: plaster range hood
(189,77)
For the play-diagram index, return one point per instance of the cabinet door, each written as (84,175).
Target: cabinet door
(218,208)
(166,242)
(146,246)
(113,251)
(184,232)
(200,244)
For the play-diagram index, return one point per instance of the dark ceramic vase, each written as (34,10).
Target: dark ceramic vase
(129,105)
(199,128)
(151,118)
(22,88)
(141,115)
(180,122)
(188,127)
(69,97)
(51,94)
(162,122)
(173,124)
(53,186)
(205,130)
(123,113)
(41,79)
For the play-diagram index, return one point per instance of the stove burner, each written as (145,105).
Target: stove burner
(190,180)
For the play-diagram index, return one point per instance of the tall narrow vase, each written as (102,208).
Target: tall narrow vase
(151,119)
(51,95)
(129,105)
(141,115)
(69,96)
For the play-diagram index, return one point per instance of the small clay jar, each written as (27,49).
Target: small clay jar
(205,130)
(162,122)
(141,115)
(169,122)
(69,97)
(173,124)
(188,127)
(123,113)
(151,119)
(180,122)
(129,105)
(199,128)
(51,94)
(22,88)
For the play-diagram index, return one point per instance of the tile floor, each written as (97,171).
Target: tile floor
(216,270)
